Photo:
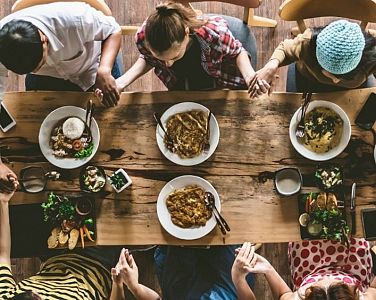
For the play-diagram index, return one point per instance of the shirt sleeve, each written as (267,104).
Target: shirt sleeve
(7,282)
(98,27)
(291,50)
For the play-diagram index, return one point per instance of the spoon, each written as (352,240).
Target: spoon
(210,202)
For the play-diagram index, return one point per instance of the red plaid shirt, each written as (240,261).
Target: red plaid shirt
(219,50)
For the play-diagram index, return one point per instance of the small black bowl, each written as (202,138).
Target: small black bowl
(83,173)
(329,168)
(283,176)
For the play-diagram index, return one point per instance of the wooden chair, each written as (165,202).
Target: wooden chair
(298,10)
(249,16)
(97,4)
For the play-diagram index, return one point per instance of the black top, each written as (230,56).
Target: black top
(189,72)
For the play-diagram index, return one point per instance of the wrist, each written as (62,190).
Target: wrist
(134,288)
(273,64)
(104,70)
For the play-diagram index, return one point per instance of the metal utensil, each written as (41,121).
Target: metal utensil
(90,106)
(219,223)
(299,132)
(207,144)
(210,197)
(170,143)
(352,208)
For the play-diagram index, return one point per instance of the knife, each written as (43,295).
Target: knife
(352,208)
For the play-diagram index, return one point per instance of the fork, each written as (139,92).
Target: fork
(300,129)
(207,133)
(170,143)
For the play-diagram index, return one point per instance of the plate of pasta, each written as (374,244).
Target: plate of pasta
(327,131)
(194,131)
(181,207)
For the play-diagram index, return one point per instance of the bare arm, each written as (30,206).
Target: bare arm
(105,82)
(141,292)
(278,286)
(244,65)
(139,68)
(8,184)
(117,292)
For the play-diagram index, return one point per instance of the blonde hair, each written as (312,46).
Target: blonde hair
(167,25)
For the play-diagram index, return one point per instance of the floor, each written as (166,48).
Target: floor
(134,12)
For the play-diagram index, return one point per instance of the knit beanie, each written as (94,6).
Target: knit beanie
(339,47)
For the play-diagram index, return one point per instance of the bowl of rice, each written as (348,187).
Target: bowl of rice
(65,140)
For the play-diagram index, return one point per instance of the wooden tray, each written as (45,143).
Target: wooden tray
(302,198)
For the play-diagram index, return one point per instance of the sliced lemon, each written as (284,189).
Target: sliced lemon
(314,229)
(304,219)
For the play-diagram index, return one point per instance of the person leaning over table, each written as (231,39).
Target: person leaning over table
(83,274)
(190,52)
(338,56)
(321,270)
(186,273)
(67,46)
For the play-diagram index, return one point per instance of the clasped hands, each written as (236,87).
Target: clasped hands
(8,183)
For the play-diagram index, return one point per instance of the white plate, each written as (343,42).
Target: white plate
(45,134)
(346,133)
(213,139)
(165,217)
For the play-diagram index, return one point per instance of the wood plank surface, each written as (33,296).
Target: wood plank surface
(254,139)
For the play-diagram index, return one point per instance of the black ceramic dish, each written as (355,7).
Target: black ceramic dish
(337,169)
(83,171)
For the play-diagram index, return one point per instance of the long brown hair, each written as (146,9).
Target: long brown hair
(340,291)
(166,25)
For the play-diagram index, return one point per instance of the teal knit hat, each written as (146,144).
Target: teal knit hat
(339,47)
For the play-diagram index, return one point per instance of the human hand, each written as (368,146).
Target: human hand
(126,270)
(266,78)
(107,85)
(243,258)
(258,264)
(256,86)
(8,181)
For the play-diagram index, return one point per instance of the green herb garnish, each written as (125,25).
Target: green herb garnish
(85,152)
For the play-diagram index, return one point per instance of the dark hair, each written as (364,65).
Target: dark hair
(368,55)
(339,291)
(21,48)
(166,25)
(28,295)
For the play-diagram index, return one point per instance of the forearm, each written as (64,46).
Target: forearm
(110,49)
(5,241)
(244,65)
(117,292)
(139,68)
(276,283)
(243,290)
(141,292)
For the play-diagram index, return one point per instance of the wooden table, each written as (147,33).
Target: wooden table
(254,139)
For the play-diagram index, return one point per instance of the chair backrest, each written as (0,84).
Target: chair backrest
(298,10)
(97,4)
(247,4)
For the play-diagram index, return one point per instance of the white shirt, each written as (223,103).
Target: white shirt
(75,32)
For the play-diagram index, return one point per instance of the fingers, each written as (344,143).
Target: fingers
(251,254)
(99,94)
(252,83)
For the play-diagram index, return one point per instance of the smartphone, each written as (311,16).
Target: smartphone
(367,115)
(6,120)
(369,223)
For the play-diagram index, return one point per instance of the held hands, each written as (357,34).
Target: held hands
(247,261)
(126,271)
(263,81)
(8,183)
(106,84)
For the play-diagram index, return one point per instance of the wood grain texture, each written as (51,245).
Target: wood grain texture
(254,139)
(132,12)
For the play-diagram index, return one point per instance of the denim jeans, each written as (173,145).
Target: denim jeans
(34,82)
(194,273)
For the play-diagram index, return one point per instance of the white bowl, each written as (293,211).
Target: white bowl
(213,139)
(345,138)
(45,134)
(165,217)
